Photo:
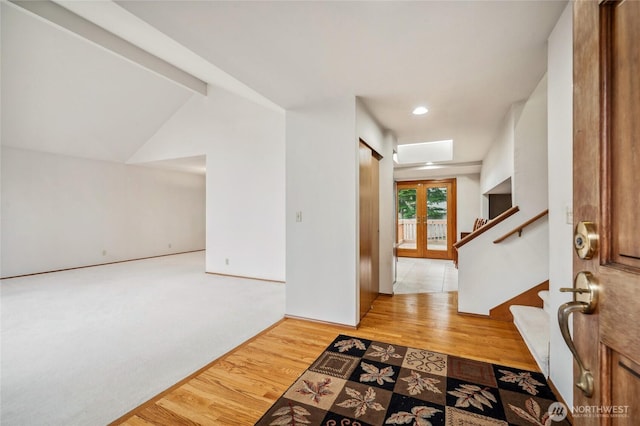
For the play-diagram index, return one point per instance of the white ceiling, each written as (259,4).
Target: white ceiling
(467,61)
(62,94)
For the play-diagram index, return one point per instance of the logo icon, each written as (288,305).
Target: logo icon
(557,411)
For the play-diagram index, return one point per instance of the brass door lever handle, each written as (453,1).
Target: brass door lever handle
(585,380)
(574,290)
(585,295)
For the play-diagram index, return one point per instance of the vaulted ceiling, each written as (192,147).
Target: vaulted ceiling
(62,94)
(467,61)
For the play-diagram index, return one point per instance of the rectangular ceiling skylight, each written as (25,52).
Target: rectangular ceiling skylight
(426,152)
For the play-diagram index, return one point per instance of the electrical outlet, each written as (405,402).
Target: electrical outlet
(104,252)
(169,245)
(226,261)
(298,216)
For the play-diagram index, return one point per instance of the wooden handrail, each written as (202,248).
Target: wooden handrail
(513,210)
(521,227)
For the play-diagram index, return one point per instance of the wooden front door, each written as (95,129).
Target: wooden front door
(606,192)
(426,218)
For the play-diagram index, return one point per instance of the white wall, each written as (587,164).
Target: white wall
(490,274)
(560,161)
(1,274)
(383,142)
(388,211)
(497,165)
(530,154)
(519,152)
(245,148)
(517,264)
(322,165)
(62,212)
(468,187)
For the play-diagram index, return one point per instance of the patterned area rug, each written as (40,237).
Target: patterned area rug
(358,382)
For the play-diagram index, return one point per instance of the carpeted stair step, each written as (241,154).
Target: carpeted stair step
(544,295)
(533,325)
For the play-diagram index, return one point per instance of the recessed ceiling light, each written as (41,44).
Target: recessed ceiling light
(421,110)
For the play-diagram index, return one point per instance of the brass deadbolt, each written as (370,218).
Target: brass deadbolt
(585,240)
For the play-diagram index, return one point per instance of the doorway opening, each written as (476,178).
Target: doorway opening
(426,218)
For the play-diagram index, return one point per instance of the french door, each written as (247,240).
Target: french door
(426,219)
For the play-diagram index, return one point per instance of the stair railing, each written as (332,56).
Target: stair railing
(493,222)
(518,229)
(484,228)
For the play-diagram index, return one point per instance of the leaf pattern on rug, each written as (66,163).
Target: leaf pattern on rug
(533,413)
(416,384)
(361,402)
(316,390)
(290,415)
(473,395)
(418,415)
(523,379)
(384,354)
(373,374)
(403,394)
(345,345)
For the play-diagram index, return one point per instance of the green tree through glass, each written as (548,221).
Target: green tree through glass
(436,203)
(407,203)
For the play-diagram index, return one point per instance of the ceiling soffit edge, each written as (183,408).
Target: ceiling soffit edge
(86,29)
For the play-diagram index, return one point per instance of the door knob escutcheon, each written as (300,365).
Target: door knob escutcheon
(585,290)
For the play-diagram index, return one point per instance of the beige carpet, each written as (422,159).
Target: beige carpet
(83,347)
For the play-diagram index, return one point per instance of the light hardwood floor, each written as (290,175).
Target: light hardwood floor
(240,386)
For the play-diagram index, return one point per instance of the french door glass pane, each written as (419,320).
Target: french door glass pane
(437,218)
(407,218)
